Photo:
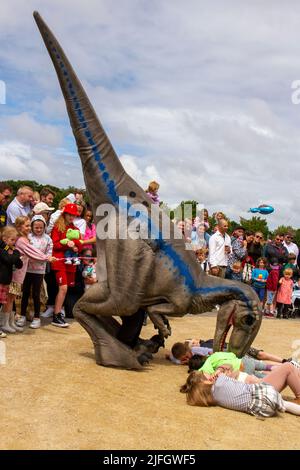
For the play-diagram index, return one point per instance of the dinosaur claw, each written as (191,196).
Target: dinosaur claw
(143,359)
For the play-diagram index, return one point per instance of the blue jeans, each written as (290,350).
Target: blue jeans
(260,292)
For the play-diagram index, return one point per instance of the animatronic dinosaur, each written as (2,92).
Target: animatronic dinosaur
(155,274)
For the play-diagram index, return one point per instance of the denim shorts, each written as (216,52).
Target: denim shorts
(270,296)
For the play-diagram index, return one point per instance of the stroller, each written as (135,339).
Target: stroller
(295,307)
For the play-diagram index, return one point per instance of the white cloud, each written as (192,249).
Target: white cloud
(197,97)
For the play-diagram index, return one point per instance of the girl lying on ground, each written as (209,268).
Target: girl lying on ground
(258,399)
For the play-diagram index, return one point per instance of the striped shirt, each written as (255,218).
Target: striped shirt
(232,394)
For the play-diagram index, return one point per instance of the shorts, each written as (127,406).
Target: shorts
(4,293)
(270,296)
(15,288)
(65,278)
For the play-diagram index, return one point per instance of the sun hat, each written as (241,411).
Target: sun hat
(42,207)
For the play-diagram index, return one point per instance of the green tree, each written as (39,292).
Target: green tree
(256,224)
(186,209)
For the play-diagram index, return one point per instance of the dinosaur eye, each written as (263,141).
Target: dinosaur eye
(132,194)
(105,213)
(249,320)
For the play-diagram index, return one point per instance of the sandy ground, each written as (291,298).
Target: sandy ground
(53,395)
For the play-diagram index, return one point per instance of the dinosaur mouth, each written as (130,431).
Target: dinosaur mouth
(230,323)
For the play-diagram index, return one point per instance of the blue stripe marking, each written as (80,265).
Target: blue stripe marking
(179,264)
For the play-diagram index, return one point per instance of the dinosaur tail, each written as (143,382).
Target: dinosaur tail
(102,169)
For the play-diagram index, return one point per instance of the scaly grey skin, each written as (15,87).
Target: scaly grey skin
(157,275)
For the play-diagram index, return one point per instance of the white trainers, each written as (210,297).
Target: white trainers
(21,321)
(49,312)
(68,261)
(2,334)
(36,323)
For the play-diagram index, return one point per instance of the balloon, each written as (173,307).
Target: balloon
(262,209)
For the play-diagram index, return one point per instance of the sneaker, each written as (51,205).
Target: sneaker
(21,321)
(59,321)
(63,313)
(76,261)
(2,334)
(49,312)
(36,323)
(68,261)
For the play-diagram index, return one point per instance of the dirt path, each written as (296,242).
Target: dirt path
(53,395)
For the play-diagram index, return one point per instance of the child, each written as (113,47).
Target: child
(205,359)
(258,399)
(247,267)
(235,272)
(284,295)
(152,192)
(293,265)
(259,278)
(89,268)
(247,364)
(271,285)
(9,261)
(65,274)
(36,269)
(27,251)
(201,255)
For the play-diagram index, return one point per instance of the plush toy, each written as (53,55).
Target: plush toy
(70,255)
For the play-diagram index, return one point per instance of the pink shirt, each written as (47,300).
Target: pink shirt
(90,233)
(27,252)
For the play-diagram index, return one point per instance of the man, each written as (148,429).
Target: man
(41,208)
(275,249)
(238,246)
(219,249)
(290,245)
(5,195)
(47,196)
(21,205)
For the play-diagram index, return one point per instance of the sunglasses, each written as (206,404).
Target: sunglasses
(257,236)
(7,196)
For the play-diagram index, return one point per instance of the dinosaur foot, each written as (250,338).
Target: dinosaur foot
(151,345)
(144,358)
(109,351)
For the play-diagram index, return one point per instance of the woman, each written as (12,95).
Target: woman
(65,273)
(80,221)
(259,398)
(255,245)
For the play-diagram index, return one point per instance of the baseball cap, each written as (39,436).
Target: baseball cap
(42,207)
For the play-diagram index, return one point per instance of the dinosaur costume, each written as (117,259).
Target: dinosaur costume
(157,274)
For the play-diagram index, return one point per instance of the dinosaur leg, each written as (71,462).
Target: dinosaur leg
(157,316)
(131,328)
(103,330)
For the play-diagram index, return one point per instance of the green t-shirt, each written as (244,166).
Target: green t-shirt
(218,359)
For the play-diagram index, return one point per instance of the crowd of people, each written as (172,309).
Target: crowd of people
(46,252)
(43,253)
(269,266)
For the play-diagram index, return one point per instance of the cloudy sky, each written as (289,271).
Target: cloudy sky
(195,94)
